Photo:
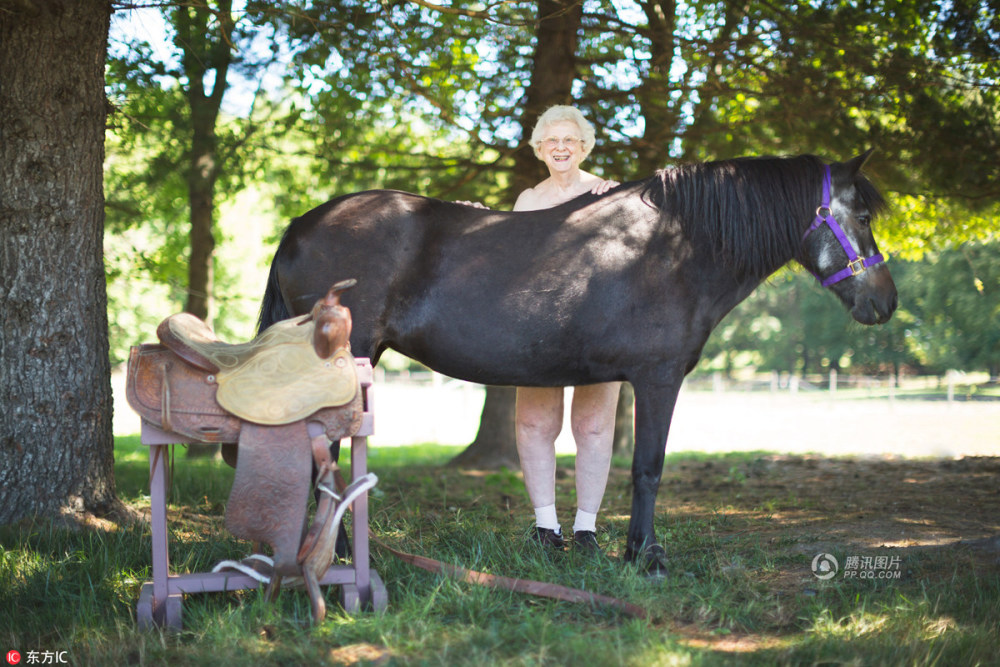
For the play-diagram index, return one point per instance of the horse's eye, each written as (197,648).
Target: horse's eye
(865,219)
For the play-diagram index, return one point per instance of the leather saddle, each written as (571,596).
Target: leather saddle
(275,404)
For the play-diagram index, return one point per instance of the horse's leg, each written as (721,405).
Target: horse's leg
(654,405)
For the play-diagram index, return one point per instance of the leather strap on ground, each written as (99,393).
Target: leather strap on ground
(528,586)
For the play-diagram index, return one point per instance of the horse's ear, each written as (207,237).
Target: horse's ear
(855,164)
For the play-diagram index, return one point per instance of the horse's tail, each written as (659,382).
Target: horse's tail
(272,306)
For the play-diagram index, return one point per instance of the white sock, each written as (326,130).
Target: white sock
(545,517)
(585,521)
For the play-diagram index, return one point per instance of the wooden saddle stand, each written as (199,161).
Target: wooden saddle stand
(275,404)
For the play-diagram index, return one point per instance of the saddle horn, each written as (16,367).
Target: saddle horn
(332,321)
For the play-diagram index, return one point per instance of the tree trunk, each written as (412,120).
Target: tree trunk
(659,112)
(624,440)
(495,445)
(56,447)
(204,36)
(552,75)
(200,270)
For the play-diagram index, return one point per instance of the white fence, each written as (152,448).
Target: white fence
(952,386)
(862,416)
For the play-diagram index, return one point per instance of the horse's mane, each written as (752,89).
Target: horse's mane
(752,211)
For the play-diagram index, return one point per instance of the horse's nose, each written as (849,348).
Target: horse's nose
(884,297)
(885,309)
(877,303)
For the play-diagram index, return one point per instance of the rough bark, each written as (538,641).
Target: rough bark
(56,448)
(552,74)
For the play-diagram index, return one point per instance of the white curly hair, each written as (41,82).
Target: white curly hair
(562,112)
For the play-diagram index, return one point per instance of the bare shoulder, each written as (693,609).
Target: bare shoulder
(530,200)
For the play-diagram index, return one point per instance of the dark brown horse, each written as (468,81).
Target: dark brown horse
(624,286)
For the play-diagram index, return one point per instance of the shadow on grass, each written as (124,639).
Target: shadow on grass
(741,531)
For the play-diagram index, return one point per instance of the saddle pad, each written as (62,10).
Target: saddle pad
(283,383)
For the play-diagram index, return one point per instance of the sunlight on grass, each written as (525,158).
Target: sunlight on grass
(739,588)
(854,625)
(935,627)
(17,567)
(422,454)
(130,448)
(662,655)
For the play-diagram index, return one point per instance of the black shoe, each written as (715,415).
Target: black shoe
(585,542)
(548,538)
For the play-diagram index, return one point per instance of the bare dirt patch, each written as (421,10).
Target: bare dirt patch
(862,503)
(918,520)
(794,505)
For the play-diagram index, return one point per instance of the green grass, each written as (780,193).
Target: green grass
(740,591)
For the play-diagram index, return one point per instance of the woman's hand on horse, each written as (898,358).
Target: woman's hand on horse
(603,186)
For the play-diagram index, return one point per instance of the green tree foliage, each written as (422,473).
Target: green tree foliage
(955,302)
(949,318)
(793,325)
(175,153)
(146,221)
(409,95)
(428,96)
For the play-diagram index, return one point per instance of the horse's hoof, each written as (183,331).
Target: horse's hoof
(652,561)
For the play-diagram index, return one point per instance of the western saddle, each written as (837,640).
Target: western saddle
(275,404)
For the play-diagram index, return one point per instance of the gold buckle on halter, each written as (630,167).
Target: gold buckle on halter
(857,266)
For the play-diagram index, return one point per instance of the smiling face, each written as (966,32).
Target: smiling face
(561,148)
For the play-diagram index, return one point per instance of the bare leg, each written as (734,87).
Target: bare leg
(593,417)
(538,421)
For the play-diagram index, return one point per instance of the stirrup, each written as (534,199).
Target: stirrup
(318,548)
(244,567)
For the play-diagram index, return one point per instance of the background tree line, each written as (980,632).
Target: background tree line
(301,101)
(948,319)
(336,96)
(437,99)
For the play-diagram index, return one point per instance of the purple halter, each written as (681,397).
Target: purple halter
(855,264)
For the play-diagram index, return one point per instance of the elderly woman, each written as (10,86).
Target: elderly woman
(562,138)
